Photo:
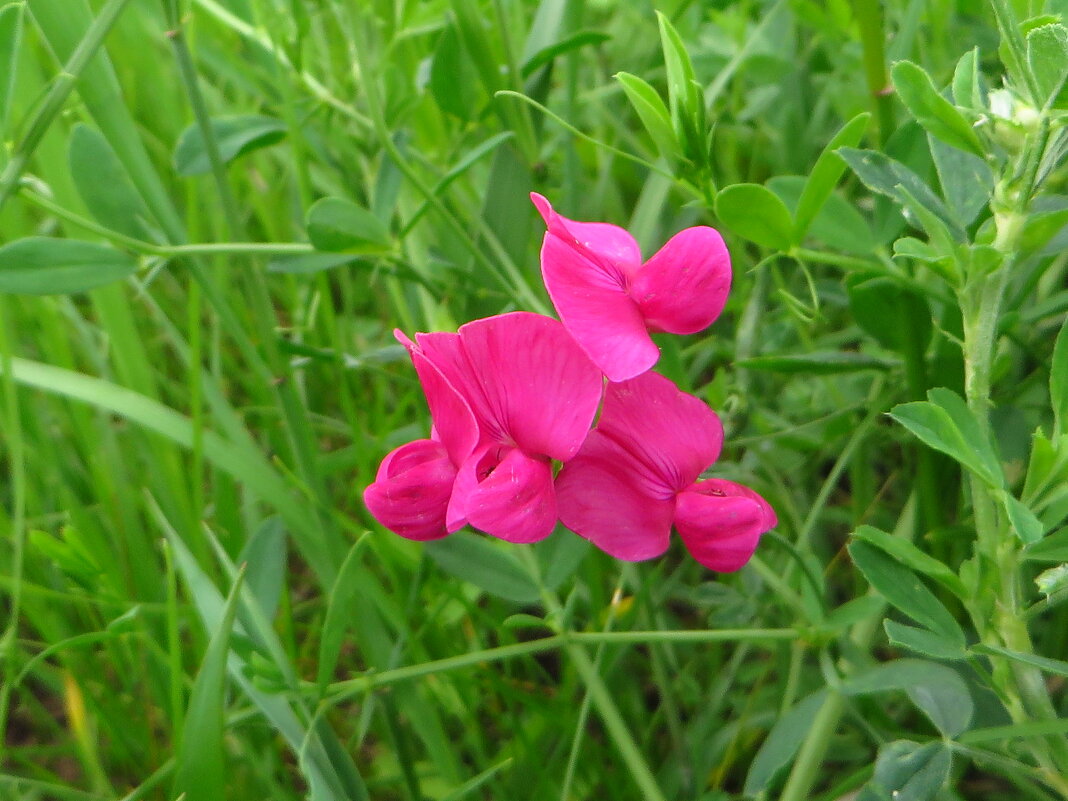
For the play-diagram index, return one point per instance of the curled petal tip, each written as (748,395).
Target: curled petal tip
(543,206)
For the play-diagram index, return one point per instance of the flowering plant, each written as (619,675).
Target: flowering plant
(514,394)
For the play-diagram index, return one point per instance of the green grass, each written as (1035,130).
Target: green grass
(195,599)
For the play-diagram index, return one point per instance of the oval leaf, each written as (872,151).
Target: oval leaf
(234,136)
(337,225)
(103,183)
(756,213)
(45,266)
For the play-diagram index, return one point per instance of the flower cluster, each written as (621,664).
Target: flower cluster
(512,395)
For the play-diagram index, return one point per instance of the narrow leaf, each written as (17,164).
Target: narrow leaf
(780,746)
(912,557)
(551,52)
(1055,667)
(967,89)
(922,641)
(936,114)
(826,173)
(1024,523)
(904,590)
(200,772)
(10,39)
(45,266)
(651,111)
(830,363)
(1058,382)
(103,183)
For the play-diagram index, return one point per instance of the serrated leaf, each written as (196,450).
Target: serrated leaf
(908,771)
(826,173)
(903,589)
(912,557)
(481,562)
(46,266)
(651,111)
(104,185)
(1047,60)
(235,136)
(936,114)
(945,423)
(756,213)
(827,363)
(338,225)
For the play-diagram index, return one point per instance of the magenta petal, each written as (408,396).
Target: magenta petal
(454,422)
(682,289)
(671,436)
(600,498)
(506,493)
(586,268)
(720,523)
(537,385)
(410,494)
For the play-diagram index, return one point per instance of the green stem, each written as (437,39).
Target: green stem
(869,17)
(57,95)
(813,749)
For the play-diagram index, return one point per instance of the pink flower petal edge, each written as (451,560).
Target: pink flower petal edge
(721,522)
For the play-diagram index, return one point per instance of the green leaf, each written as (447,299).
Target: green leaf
(826,173)
(560,556)
(1043,225)
(967,86)
(199,771)
(897,316)
(235,136)
(1058,383)
(1024,523)
(912,557)
(45,266)
(884,175)
(103,184)
(1047,59)
(1053,548)
(454,81)
(837,224)
(828,363)
(967,182)
(937,690)
(264,557)
(936,114)
(781,744)
(684,95)
(339,608)
(551,52)
(908,771)
(10,39)
(1055,667)
(652,112)
(756,213)
(338,225)
(309,263)
(903,590)
(922,641)
(945,423)
(479,561)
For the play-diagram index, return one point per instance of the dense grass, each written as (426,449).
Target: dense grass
(196,599)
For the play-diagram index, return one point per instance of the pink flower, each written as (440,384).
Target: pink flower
(637,474)
(610,301)
(507,395)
